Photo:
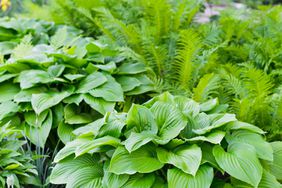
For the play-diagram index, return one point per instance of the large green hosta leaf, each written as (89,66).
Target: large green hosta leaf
(92,81)
(202,179)
(43,101)
(186,158)
(140,181)
(83,171)
(240,161)
(142,160)
(29,78)
(7,109)
(111,180)
(99,104)
(8,91)
(72,115)
(170,121)
(263,148)
(276,165)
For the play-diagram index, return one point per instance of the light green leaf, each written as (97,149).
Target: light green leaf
(65,132)
(136,140)
(142,160)
(202,179)
(7,109)
(39,135)
(186,158)
(99,104)
(239,161)
(56,70)
(8,91)
(30,78)
(92,81)
(91,129)
(73,77)
(83,171)
(170,121)
(141,119)
(128,83)
(72,115)
(187,106)
(43,101)
(35,120)
(110,91)
(140,181)
(6,77)
(263,148)
(25,94)
(268,180)
(276,166)
(224,119)
(131,68)
(76,99)
(94,145)
(214,137)
(110,67)
(236,125)
(209,105)
(111,180)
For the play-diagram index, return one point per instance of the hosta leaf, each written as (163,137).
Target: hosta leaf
(69,149)
(111,180)
(269,180)
(142,160)
(73,77)
(110,91)
(30,78)
(141,119)
(131,68)
(276,166)
(186,158)
(76,99)
(39,135)
(263,148)
(236,125)
(72,116)
(209,105)
(35,120)
(25,94)
(43,101)
(239,161)
(128,83)
(8,108)
(93,80)
(226,118)
(164,97)
(136,140)
(8,91)
(169,120)
(65,132)
(56,70)
(214,137)
(110,67)
(146,85)
(91,129)
(187,106)
(83,171)
(6,77)
(202,179)
(140,181)
(93,145)
(99,104)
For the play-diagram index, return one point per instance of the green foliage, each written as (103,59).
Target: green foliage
(16,168)
(168,141)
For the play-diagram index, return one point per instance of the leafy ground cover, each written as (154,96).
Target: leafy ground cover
(134,93)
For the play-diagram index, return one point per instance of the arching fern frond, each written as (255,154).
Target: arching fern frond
(189,44)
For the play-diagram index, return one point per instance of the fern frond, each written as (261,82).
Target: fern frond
(206,87)
(189,44)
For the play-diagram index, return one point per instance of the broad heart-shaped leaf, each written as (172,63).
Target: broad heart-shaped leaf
(25,94)
(141,119)
(83,171)
(186,158)
(43,101)
(275,167)
(111,180)
(8,108)
(263,148)
(29,78)
(131,68)
(214,137)
(136,140)
(91,129)
(140,181)
(110,91)
(218,122)
(94,145)
(170,121)
(202,179)
(240,161)
(128,83)
(72,116)
(35,120)
(99,104)
(187,106)
(93,80)
(38,135)
(237,125)
(146,85)
(56,70)
(8,91)
(142,160)
(269,180)
(65,132)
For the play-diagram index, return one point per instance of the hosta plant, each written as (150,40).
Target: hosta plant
(169,141)
(16,168)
